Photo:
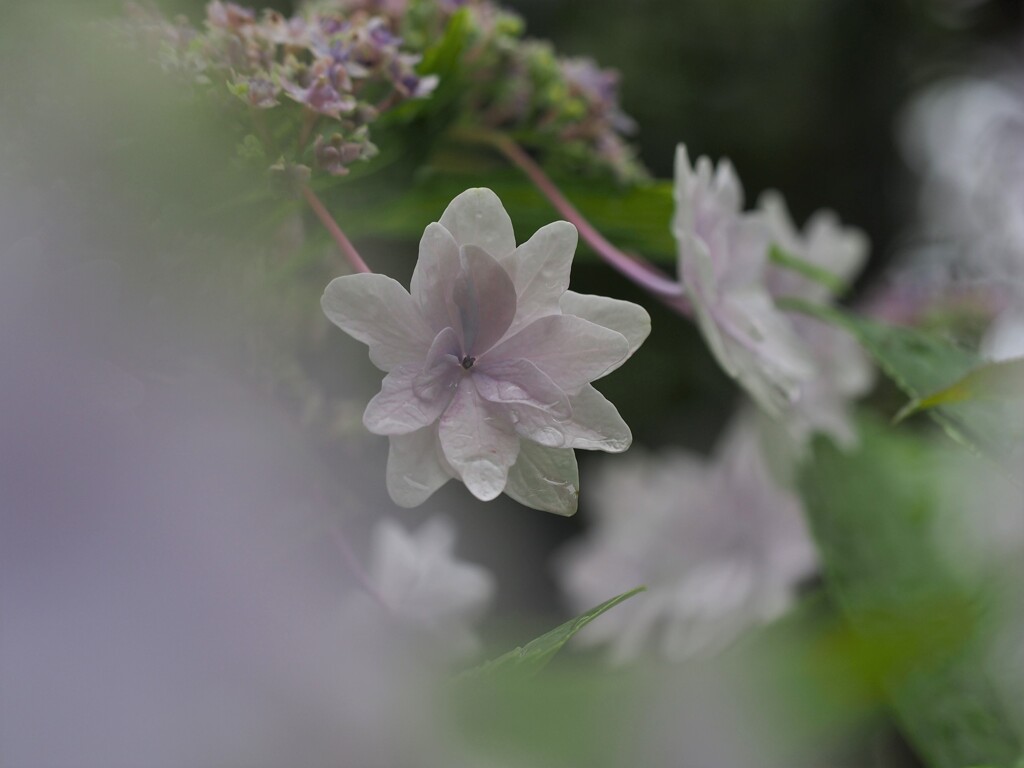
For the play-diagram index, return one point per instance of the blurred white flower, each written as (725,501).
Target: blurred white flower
(965,137)
(489,360)
(843,370)
(1004,339)
(723,253)
(719,545)
(417,578)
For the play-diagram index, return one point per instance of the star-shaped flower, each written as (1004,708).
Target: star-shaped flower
(723,254)
(489,360)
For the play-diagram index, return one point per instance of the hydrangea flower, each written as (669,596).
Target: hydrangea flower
(421,583)
(489,359)
(720,546)
(723,254)
(843,370)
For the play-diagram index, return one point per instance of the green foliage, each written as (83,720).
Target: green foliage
(995,381)
(920,364)
(531,658)
(874,514)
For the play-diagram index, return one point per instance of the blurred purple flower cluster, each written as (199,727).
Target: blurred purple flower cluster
(350,61)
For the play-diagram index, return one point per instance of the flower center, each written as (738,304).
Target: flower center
(467,362)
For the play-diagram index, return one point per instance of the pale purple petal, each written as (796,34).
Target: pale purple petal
(520,382)
(441,370)
(415,467)
(629,319)
(483,301)
(540,270)
(379,312)
(477,442)
(398,410)
(477,217)
(435,273)
(546,479)
(572,351)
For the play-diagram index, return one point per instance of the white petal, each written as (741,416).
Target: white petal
(770,360)
(1004,339)
(540,270)
(398,410)
(394,562)
(379,312)
(595,425)
(435,272)
(742,259)
(477,442)
(546,479)
(569,349)
(629,319)
(436,537)
(520,382)
(477,217)
(423,584)
(482,302)
(415,470)
(835,248)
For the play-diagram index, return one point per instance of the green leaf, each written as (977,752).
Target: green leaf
(874,514)
(921,364)
(531,658)
(995,381)
(441,59)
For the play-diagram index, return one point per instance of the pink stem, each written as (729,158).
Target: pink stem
(641,273)
(344,244)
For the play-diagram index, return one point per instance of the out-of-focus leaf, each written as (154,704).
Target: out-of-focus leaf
(921,364)
(874,514)
(996,381)
(442,60)
(535,655)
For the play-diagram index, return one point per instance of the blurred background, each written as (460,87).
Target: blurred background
(219,441)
